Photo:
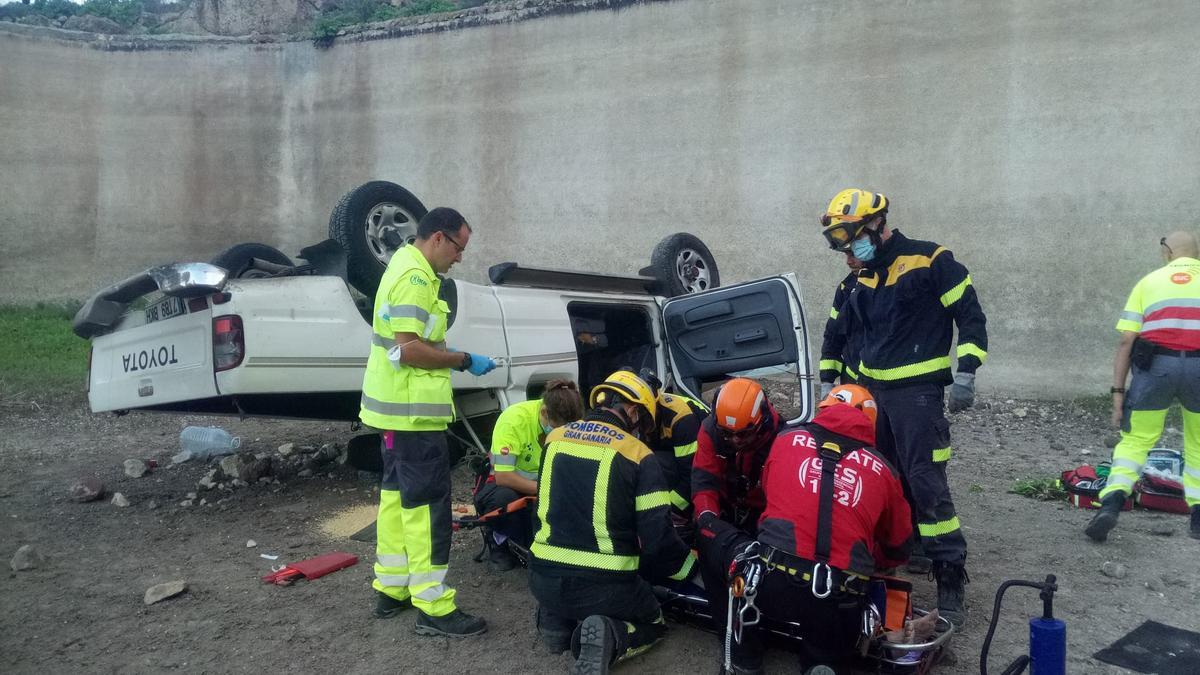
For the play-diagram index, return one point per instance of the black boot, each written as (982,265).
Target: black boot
(951,586)
(594,645)
(1195,531)
(1106,518)
(501,559)
(386,606)
(455,624)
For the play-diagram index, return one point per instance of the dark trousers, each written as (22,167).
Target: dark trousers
(914,434)
(829,628)
(518,526)
(566,600)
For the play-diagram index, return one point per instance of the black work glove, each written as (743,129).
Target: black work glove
(962,392)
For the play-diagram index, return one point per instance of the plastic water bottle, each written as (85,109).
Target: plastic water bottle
(205,442)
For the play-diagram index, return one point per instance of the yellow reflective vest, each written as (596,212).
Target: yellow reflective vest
(397,396)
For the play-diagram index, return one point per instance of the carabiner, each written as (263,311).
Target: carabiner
(816,575)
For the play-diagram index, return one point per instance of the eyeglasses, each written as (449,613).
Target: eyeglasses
(1163,243)
(457,245)
(738,436)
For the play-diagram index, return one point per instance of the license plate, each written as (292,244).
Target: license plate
(165,309)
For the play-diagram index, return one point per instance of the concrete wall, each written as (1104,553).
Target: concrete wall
(1049,144)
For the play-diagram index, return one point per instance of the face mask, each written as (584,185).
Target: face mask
(546,428)
(863,249)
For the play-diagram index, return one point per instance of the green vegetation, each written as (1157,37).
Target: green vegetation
(1043,489)
(355,12)
(39,355)
(124,12)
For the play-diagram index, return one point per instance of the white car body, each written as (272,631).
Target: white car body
(304,341)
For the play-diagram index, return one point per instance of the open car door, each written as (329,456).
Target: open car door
(755,330)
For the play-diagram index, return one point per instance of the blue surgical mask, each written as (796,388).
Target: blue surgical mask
(546,428)
(863,249)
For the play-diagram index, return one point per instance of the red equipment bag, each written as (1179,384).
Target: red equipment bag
(311,568)
(1161,492)
(1083,486)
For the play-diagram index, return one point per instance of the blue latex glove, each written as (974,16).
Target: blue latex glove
(962,392)
(480,365)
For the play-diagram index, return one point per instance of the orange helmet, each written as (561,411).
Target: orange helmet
(740,406)
(855,395)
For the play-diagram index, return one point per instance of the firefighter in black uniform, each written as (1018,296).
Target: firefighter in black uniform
(674,441)
(602,528)
(840,342)
(907,301)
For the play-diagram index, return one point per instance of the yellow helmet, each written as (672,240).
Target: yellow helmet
(629,387)
(849,211)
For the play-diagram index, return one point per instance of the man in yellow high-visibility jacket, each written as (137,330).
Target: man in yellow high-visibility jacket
(1160,339)
(407,394)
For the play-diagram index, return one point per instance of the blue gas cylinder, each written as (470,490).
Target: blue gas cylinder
(1047,646)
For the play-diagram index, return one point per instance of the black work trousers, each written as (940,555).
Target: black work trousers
(566,599)
(913,433)
(518,525)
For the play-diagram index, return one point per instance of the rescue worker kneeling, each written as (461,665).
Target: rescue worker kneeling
(835,515)
(517,442)
(601,493)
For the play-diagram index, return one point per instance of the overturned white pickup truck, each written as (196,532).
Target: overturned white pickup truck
(253,334)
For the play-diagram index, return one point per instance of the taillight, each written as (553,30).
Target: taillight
(87,381)
(229,344)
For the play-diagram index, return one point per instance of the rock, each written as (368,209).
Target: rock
(232,466)
(305,473)
(209,481)
(1020,412)
(34,20)
(119,500)
(1162,529)
(93,24)
(190,495)
(87,489)
(238,482)
(1155,584)
(185,503)
(151,505)
(1114,570)
(26,558)
(136,468)
(1085,452)
(160,592)
(1058,446)
(250,543)
(287,449)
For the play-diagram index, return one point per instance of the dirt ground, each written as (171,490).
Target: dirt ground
(82,608)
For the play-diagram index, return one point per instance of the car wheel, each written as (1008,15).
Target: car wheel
(236,259)
(682,264)
(371,222)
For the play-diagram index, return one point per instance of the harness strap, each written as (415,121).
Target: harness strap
(831,454)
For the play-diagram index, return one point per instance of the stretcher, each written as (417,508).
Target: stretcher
(460,522)
(889,607)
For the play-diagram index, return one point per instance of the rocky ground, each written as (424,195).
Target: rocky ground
(83,602)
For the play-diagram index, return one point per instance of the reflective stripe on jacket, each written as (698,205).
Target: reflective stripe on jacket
(907,302)
(603,505)
(1164,306)
(396,396)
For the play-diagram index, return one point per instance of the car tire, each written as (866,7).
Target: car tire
(236,259)
(371,222)
(682,264)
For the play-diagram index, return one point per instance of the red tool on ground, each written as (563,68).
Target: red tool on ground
(311,568)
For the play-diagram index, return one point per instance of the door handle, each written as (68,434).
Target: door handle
(749,335)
